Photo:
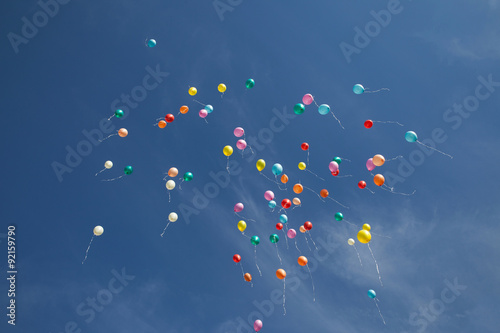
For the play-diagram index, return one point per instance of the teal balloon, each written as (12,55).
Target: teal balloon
(277,169)
(323,109)
(337,159)
(119,113)
(339,216)
(255,240)
(283,218)
(372,293)
(250,83)
(188,176)
(299,108)
(411,136)
(271,204)
(358,89)
(151,43)
(209,108)
(274,238)
(128,170)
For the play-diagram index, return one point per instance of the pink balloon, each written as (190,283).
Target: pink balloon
(269,195)
(238,132)
(241,144)
(307,99)
(369,164)
(333,166)
(203,113)
(291,233)
(257,325)
(238,207)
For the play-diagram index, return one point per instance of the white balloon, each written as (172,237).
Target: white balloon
(173,217)
(170,184)
(108,164)
(350,241)
(98,230)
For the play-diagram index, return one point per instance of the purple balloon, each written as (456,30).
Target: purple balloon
(334,167)
(307,99)
(257,325)
(369,164)
(238,207)
(291,233)
(238,132)
(269,195)
(241,144)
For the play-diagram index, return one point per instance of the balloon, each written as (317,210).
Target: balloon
(299,108)
(170,185)
(151,43)
(296,201)
(172,217)
(362,184)
(221,87)
(372,293)
(250,83)
(364,236)
(119,113)
(209,108)
(169,118)
(277,169)
(286,203)
(257,325)
(203,113)
(274,238)
(369,164)
(368,123)
(302,229)
(122,132)
(378,160)
(162,124)
(304,146)
(358,89)
(366,227)
(192,91)
(308,225)
(323,109)
(255,240)
(184,109)
(333,166)
(128,170)
(279,226)
(291,233)
(236,258)
(350,241)
(239,132)
(339,216)
(336,173)
(247,277)
(298,188)
(188,176)
(337,159)
(108,164)
(227,150)
(280,274)
(271,204)
(98,230)
(302,166)
(323,193)
(261,164)
(241,144)
(307,99)
(302,261)
(172,172)
(238,207)
(411,136)
(269,195)
(283,218)
(242,226)
(284,179)
(379,179)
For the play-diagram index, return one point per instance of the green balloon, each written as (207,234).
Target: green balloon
(250,83)
(299,108)
(119,113)
(188,176)
(339,216)
(128,170)
(274,238)
(337,159)
(255,240)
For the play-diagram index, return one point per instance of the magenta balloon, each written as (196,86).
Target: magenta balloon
(307,99)
(257,325)
(369,164)
(334,166)
(291,233)
(203,113)
(238,207)
(241,144)
(238,132)
(269,195)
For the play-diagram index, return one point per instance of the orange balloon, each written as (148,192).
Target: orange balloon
(302,229)
(247,277)
(296,201)
(162,124)
(184,109)
(122,132)
(379,179)
(284,179)
(302,261)
(173,172)
(323,193)
(297,188)
(378,160)
(281,274)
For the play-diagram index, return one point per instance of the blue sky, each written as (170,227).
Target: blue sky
(67,78)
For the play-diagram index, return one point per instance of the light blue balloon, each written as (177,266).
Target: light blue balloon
(283,218)
(151,43)
(271,204)
(411,136)
(372,293)
(358,89)
(209,108)
(323,109)
(277,169)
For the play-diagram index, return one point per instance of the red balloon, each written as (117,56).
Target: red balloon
(308,225)
(286,203)
(362,184)
(368,123)
(279,226)
(236,258)
(336,173)
(169,118)
(304,146)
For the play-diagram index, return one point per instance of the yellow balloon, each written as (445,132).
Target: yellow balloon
(302,166)
(242,225)
(221,87)
(192,91)
(366,227)
(228,150)
(261,164)
(364,236)
(378,160)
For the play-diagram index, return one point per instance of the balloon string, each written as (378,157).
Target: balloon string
(110,180)
(391,189)
(379,311)
(337,119)
(345,159)
(165,228)
(242,271)
(244,217)
(297,246)
(380,235)
(180,184)
(205,120)
(255,253)
(297,206)
(344,176)
(199,102)
(243,233)
(100,172)
(269,179)
(165,178)
(338,202)
(107,137)
(314,174)
(319,196)
(308,157)
(88,248)
(359,258)
(227,165)
(350,223)
(284,299)
(387,122)
(307,243)
(370,190)
(111,117)
(376,265)
(312,281)
(286,238)
(169,196)
(374,91)
(439,151)
(278,252)
(312,240)
(394,158)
